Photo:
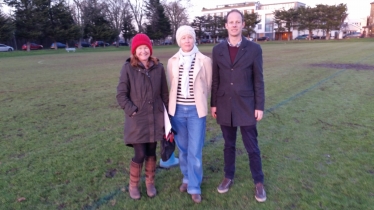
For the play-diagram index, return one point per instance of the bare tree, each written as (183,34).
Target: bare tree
(116,10)
(78,16)
(137,9)
(177,13)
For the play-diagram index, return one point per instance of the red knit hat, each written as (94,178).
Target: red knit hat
(140,39)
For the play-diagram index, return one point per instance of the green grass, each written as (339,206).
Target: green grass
(61,132)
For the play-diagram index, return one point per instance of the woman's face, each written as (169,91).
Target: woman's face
(187,43)
(143,53)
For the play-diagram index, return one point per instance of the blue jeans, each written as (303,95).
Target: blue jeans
(190,135)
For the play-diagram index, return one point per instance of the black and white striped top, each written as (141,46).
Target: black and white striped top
(180,98)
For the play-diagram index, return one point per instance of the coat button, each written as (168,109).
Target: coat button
(232,83)
(232,69)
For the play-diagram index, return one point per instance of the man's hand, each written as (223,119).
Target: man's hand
(259,114)
(213,110)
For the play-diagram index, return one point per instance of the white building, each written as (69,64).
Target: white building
(354,25)
(264,12)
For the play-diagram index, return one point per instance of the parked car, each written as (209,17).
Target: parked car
(83,44)
(205,41)
(167,42)
(33,46)
(5,48)
(302,37)
(221,40)
(353,35)
(99,44)
(316,37)
(59,45)
(120,43)
(264,38)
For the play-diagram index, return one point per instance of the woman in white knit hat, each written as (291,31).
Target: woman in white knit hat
(189,74)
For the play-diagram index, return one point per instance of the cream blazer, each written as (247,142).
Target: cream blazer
(202,82)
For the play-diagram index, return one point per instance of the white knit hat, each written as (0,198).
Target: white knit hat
(185,30)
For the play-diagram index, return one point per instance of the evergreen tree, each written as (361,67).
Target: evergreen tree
(128,29)
(6,27)
(198,24)
(214,24)
(286,18)
(61,26)
(308,19)
(251,20)
(331,17)
(29,18)
(96,26)
(158,26)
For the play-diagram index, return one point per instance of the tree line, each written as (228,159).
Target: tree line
(62,21)
(323,17)
(215,25)
(57,20)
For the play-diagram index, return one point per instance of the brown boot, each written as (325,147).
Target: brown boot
(150,169)
(135,171)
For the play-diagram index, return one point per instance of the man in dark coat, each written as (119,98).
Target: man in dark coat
(238,98)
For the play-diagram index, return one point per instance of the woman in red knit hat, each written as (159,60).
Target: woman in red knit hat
(142,92)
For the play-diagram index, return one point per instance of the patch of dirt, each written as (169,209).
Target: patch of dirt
(352,125)
(12,171)
(61,206)
(354,66)
(213,168)
(110,173)
(214,139)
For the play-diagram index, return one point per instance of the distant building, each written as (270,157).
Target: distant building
(369,28)
(353,25)
(266,26)
(264,12)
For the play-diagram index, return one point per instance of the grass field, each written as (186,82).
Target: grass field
(61,141)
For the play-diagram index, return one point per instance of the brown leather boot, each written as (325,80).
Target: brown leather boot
(135,172)
(150,170)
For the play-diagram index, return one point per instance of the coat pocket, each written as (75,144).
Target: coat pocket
(246,93)
(139,104)
(220,93)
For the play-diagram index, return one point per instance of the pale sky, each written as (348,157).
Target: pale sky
(356,8)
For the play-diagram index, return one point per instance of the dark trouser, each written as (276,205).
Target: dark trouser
(249,135)
(143,150)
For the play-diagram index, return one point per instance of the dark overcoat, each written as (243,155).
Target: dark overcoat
(143,92)
(237,88)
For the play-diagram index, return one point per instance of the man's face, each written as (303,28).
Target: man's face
(234,24)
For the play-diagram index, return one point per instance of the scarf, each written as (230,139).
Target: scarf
(185,59)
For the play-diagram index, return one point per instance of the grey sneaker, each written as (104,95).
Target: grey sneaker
(260,192)
(225,185)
